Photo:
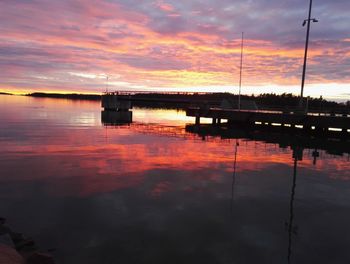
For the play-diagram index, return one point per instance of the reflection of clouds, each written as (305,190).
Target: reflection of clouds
(57,150)
(126,195)
(84,119)
(122,161)
(188,226)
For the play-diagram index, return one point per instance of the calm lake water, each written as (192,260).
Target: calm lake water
(150,192)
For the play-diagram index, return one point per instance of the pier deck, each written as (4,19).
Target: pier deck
(309,122)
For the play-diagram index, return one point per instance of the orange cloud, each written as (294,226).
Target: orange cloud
(141,49)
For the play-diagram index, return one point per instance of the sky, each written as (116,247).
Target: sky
(167,45)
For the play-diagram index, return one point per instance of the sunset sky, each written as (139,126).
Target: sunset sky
(192,45)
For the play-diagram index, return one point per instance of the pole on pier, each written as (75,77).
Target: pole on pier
(106,83)
(308,22)
(240,75)
(198,119)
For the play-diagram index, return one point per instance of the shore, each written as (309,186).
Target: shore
(16,248)
(263,101)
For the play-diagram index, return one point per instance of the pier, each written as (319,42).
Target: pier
(308,122)
(117,106)
(179,99)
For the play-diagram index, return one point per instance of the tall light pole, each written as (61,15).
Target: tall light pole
(240,75)
(308,21)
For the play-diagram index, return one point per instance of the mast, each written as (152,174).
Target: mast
(240,75)
(106,83)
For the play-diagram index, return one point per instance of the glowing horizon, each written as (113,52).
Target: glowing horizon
(70,46)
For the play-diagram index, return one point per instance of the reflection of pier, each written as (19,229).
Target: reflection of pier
(158,130)
(219,134)
(331,145)
(116,117)
(309,123)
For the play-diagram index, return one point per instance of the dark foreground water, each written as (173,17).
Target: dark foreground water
(153,193)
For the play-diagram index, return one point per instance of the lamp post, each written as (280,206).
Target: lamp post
(308,22)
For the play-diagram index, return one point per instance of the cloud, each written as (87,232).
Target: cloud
(171,43)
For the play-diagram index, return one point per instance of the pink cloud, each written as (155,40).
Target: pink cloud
(165,6)
(171,46)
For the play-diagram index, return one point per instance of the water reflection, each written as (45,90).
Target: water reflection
(338,146)
(116,117)
(315,155)
(292,229)
(234,174)
(289,225)
(154,191)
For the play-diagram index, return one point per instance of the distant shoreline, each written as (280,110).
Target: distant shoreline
(73,96)
(264,101)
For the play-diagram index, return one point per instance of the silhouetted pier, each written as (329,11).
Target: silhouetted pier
(119,104)
(320,123)
(179,99)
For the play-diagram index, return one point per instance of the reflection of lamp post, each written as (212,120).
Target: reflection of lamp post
(234,173)
(292,229)
(315,155)
(306,48)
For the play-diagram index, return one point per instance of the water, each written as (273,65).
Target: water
(150,192)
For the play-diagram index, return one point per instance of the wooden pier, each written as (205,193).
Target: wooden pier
(320,123)
(119,105)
